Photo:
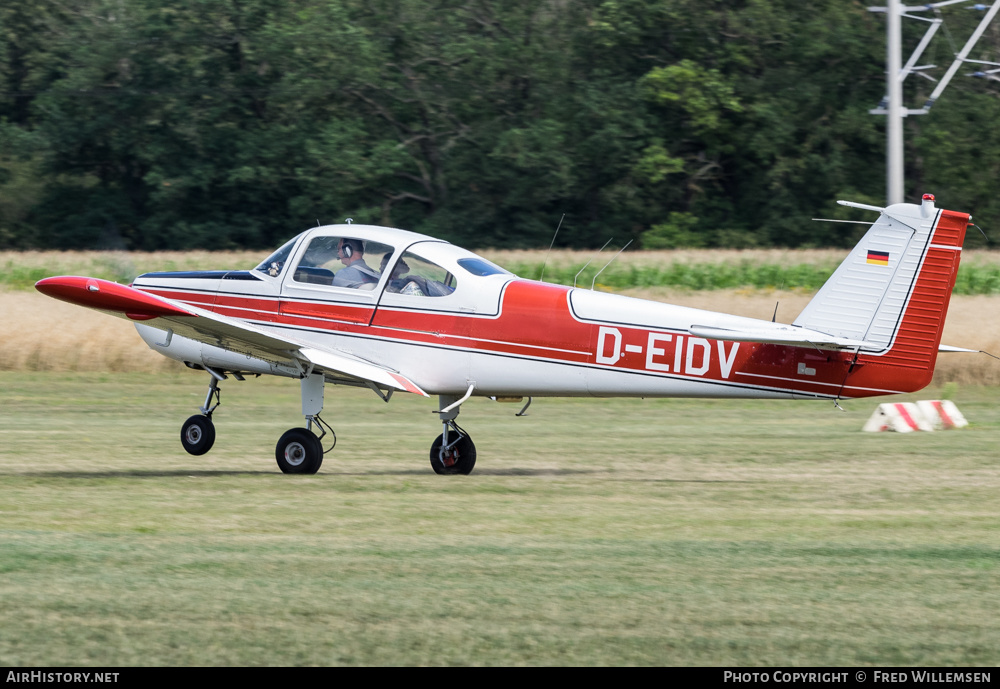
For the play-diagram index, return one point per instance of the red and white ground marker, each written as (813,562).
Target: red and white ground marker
(942,414)
(902,417)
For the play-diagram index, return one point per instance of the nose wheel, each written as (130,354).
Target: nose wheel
(198,434)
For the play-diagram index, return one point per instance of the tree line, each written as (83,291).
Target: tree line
(237,123)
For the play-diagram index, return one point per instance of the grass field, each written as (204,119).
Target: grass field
(592,532)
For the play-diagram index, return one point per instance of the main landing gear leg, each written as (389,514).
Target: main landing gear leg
(300,451)
(198,432)
(453,452)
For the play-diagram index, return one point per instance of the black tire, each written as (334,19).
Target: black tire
(198,434)
(299,451)
(462,456)
(319,454)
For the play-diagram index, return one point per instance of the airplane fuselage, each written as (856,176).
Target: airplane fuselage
(524,338)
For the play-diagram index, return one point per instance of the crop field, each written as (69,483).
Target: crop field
(592,532)
(686,269)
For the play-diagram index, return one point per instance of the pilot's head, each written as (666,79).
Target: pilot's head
(349,251)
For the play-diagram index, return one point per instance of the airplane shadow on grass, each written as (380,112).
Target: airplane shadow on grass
(210,473)
(218,473)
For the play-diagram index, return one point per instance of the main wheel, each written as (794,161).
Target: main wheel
(299,451)
(460,458)
(198,434)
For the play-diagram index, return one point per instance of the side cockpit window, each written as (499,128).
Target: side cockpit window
(340,262)
(418,277)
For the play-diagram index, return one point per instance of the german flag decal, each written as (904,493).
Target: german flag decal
(878,258)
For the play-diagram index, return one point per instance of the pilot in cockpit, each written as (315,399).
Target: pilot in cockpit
(355,273)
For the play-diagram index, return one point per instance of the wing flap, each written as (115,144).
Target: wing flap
(359,369)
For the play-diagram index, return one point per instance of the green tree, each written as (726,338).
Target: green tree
(223,123)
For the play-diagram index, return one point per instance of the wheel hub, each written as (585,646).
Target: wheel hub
(449,457)
(295,454)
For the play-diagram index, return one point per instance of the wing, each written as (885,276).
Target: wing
(211,328)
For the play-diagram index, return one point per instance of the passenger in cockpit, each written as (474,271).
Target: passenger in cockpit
(396,280)
(356,272)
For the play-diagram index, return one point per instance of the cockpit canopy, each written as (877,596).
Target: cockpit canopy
(376,259)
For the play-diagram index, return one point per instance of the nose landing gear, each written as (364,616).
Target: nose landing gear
(198,432)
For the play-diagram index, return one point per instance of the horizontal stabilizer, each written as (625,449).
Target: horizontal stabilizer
(949,348)
(778,334)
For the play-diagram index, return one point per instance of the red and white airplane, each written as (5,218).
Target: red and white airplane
(394,310)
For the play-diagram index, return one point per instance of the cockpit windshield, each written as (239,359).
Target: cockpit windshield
(275,263)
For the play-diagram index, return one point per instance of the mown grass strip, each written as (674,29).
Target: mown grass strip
(592,532)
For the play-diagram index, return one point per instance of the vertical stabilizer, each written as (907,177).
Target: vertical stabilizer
(893,289)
